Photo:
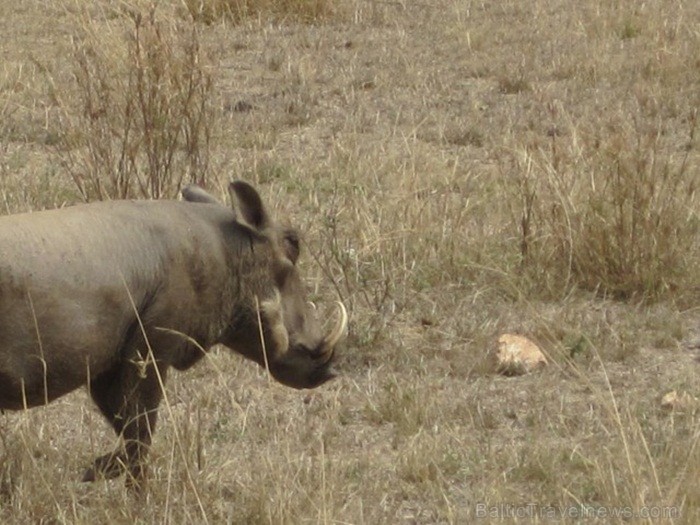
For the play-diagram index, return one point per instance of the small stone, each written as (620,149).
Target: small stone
(678,401)
(518,355)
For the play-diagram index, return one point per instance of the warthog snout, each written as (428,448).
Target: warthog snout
(305,365)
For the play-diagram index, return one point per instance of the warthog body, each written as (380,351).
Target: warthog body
(113,294)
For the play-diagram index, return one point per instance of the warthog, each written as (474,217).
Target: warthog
(112,294)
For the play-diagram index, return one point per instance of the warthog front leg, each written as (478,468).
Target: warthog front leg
(128,396)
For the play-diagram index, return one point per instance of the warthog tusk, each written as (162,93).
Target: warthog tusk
(336,335)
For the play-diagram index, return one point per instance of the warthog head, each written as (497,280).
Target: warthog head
(273,324)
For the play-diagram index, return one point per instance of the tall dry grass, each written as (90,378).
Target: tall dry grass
(615,212)
(142,117)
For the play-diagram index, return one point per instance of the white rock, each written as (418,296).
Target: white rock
(518,355)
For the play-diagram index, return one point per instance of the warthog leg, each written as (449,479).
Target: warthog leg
(109,466)
(128,395)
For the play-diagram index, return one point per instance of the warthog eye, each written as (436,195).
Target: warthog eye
(290,241)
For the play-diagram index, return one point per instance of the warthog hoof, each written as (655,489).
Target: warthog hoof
(109,466)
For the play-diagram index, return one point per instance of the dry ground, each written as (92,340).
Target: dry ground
(409,141)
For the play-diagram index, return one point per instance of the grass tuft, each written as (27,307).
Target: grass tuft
(618,215)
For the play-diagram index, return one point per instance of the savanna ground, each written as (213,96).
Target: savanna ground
(459,169)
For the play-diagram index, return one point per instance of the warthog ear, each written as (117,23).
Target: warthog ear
(250,204)
(193,193)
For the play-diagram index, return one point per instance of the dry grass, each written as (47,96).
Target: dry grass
(140,120)
(460,170)
(615,215)
(209,11)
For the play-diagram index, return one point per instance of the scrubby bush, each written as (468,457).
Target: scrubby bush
(142,119)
